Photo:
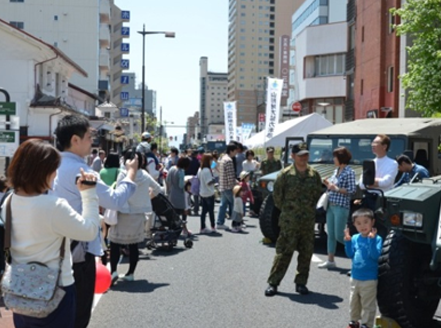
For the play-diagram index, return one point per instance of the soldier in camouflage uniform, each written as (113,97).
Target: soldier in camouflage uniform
(270,164)
(296,192)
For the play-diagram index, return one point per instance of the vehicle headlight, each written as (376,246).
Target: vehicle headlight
(412,219)
(270,186)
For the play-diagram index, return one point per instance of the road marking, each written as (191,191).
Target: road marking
(316,259)
(97,297)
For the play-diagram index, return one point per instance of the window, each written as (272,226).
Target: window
(362,34)
(361,87)
(328,65)
(55,17)
(16,0)
(19,25)
(390,79)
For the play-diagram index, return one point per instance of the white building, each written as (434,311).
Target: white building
(213,93)
(37,75)
(80,28)
(317,63)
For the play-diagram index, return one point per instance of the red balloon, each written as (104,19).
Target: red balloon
(103,279)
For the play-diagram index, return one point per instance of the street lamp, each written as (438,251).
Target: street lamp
(144,33)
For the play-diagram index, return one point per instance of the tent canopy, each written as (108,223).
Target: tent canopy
(297,127)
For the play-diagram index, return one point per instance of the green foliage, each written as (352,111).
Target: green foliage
(421,22)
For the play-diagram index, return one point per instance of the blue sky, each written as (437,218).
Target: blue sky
(172,65)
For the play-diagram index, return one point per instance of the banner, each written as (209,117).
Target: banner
(247,128)
(230,121)
(273,94)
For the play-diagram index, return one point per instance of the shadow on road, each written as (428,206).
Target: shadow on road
(137,286)
(164,251)
(323,300)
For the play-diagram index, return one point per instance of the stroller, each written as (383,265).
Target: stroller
(167,225)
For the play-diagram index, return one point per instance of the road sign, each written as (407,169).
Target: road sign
(7,108)
(296,107)
(125,31)
(124,79)
(125,47)
(125,63)
(9,141)
(14,122)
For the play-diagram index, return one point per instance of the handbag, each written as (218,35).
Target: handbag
(30,289)
(111,217)
(323,201)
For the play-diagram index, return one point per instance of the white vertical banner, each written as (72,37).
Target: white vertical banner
(274,92)
(247,128)
(230,121)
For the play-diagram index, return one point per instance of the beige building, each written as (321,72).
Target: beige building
(254,51)
(213,93)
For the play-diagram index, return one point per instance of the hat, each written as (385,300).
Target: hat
(236,189)
(300,149)
(146,135)
(244,174)
(270,149)
(201,150)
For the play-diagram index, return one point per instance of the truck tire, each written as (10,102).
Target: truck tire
(269,219)
(402,294)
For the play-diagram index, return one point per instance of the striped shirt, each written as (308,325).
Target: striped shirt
(346,180)
(227,174)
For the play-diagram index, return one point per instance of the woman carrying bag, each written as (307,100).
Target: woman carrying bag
(40,223)
(341,187)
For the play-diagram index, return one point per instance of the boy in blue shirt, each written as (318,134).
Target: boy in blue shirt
(364,249)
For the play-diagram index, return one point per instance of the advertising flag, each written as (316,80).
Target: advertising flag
(230,121)
(273,95)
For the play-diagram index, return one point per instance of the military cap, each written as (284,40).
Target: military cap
(300,149)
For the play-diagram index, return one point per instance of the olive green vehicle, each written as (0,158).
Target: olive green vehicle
(417,137)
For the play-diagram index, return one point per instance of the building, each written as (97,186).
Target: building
(37,74)
(213,93)
(82,29)
(192,129)
(256,31)
(318,57)
(377,49)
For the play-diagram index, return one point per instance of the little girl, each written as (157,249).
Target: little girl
(237,217)
(246,190)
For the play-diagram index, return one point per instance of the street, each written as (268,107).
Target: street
(220,282)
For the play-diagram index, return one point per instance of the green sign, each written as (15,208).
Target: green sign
(7,108)
(7,137)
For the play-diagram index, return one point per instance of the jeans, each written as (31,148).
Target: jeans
(207,207)
(226,200)
(336,218)
(84,275)
(196,204)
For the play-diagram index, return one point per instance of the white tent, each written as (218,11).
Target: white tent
(297,127)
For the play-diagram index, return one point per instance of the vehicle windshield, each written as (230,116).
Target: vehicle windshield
(320,149)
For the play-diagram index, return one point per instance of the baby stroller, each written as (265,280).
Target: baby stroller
(167,225)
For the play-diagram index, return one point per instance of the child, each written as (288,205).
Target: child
(237,217)
(364,249)
(247,194)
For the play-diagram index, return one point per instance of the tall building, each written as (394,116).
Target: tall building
(213,93)
(255,51)
(376,89)
(318,57)
(80,28)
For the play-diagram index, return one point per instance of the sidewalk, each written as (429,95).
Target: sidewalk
(5,317)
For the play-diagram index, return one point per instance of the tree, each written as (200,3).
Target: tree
(421,22)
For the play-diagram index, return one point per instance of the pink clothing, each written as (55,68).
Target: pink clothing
(247,194)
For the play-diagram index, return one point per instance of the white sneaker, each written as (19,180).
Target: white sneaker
(222,226)
(114,278)
(327,265)
(129,277)
(205,231)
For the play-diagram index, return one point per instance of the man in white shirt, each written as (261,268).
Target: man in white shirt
(98,161)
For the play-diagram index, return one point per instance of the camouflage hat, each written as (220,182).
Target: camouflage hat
(300,149)
(270,149)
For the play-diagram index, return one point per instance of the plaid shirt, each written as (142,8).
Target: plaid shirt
(346,180)
(227,175)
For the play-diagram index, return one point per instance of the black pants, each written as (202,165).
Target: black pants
(84,274)
(207,207)
(115,254)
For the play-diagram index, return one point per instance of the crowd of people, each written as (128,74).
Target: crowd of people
(76,185)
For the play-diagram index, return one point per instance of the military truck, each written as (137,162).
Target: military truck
(409,281)
(417,137)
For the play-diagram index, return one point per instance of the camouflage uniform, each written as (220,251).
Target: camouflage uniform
(269,166)
(296,195)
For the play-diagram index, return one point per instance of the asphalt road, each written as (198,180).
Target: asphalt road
(220,282)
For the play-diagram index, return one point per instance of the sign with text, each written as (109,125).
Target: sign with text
(125,63)
(125,15)
(125,31)
(230,121)
(274,91)
(7,108)
(124,112)
(124,79)
(284,66)
(124,95)
(247,128)
(125,47)
(14,122)
(9,142)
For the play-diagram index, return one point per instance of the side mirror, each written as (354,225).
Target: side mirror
(368,172)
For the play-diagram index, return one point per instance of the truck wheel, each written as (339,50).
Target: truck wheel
(269,219)
(405,293)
